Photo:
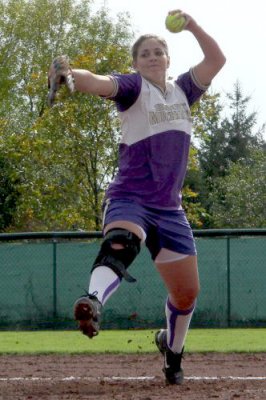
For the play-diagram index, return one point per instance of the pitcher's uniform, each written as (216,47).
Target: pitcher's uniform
(153,156)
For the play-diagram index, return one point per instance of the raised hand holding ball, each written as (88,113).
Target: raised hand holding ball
(175,22)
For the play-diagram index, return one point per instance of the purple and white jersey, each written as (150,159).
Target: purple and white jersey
(156,130)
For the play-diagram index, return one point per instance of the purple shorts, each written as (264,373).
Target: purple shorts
(167,229)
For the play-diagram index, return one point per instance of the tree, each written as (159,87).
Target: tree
(8,194)
(196,213)
(238,199)
(240,128)
(65,156)
(205,116)
(227,141)
(231,138)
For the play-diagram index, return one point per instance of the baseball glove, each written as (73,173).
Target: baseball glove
(60,74)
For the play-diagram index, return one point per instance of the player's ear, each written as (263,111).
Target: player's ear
(168,61)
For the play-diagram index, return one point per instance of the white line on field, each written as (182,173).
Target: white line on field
(130,378)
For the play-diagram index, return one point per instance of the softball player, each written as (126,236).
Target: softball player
(143,203)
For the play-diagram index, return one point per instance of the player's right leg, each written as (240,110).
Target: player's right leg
(87,310)
(119,248)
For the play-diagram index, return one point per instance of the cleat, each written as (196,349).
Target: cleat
(172,370)
(87,310)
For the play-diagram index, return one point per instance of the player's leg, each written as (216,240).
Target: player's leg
(120,246)
(105,280)
(182,283)
(172,247)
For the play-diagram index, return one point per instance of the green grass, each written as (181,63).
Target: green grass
(129,341)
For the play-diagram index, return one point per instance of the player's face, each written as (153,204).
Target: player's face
(152,61)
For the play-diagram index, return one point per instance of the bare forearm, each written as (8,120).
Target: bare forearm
(209,46)
(213,59)
(87,82)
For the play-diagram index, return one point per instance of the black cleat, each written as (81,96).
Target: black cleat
(87,310)
(173,372)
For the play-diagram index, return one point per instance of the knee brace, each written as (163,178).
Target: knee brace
(118,259)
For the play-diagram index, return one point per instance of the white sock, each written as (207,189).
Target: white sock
(103,283)
(177,326)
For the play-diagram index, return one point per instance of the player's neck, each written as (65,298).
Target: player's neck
(159,85)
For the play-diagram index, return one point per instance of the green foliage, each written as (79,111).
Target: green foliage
(61,160)
(239,198)
(230,139)
(8,194)
(65,156)
(67,162)
(195,211)
(205,114)
(226,157)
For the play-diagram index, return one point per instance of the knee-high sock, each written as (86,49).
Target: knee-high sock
(103,283)
(177,326)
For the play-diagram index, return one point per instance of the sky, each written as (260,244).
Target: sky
(237,25)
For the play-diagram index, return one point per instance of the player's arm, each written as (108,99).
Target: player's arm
(81,80)
(214,58)
(87,82)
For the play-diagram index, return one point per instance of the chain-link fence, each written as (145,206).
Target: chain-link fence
(42,274)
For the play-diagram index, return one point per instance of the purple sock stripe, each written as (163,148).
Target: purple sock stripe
(110,288)
(172,322)
(176,311)
(174,314)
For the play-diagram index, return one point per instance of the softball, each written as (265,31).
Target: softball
(175,22)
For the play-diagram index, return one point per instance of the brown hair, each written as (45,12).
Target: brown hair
(142,38)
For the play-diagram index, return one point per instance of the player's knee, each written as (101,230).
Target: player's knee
(185,299)
(193,293)
(118,250)
(117,246)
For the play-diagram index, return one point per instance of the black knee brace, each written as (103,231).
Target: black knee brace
(118,259)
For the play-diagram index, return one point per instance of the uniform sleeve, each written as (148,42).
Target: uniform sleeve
(190,86)
(127,88)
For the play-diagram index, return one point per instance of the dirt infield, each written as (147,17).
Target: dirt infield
(131,377)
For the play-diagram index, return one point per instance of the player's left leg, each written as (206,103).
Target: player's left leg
(182,283)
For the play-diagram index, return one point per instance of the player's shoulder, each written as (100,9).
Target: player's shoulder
(129,78)
(128,88)
(188,83)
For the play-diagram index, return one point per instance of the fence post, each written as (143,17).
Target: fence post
(228,281)
(54,278)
